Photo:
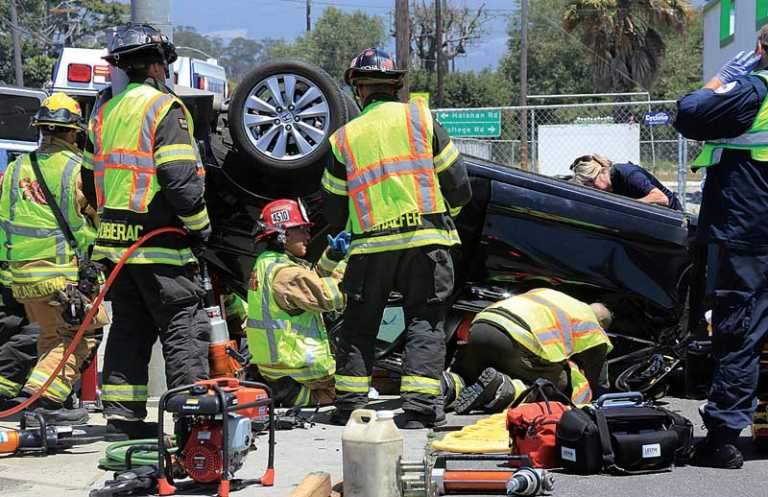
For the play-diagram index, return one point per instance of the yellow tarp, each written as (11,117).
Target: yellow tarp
(489,435)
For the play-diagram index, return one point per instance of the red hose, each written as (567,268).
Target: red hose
(89,317)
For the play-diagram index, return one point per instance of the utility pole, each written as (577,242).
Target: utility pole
(154,12)
(309,16)
(524,84)
(439,50)
(18,68)
(403,43)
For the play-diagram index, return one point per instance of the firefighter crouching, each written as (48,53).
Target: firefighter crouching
(286,299)
(395,177)
(145,173)
(539,334)
(47,265)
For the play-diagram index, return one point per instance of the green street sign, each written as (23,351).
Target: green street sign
(471,123)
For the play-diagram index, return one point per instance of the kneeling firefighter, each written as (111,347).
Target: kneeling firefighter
(539,334)
(18,346)
(46,237)
(286,299)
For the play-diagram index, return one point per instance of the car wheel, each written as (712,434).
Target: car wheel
(283,113)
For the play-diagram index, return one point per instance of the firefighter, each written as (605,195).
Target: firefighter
(286,299)
(728,113)
(43,265)
(18,347)
(397,179)
(539,334)
(147,174)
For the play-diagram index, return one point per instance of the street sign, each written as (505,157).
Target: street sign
(481,123)
(660,118)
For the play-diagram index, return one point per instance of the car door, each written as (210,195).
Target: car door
(17,106)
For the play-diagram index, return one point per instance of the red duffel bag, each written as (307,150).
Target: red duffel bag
(532,425)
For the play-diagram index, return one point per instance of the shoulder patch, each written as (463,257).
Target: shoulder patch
(183,123)
(725,88)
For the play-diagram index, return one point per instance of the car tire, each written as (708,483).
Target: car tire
(282,114)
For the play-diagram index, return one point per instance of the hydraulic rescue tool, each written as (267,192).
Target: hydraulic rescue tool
(518,477)
(41,439)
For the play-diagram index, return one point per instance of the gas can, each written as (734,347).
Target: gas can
(371,447)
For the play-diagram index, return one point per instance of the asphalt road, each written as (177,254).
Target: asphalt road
(319,449)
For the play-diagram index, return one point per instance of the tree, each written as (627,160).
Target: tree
(486,88)
(682,67)
(241,55)
(336,39)
(626,37)
(187,36)
(462,28)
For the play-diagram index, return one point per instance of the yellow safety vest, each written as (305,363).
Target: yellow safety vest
(391,176)
(755,139)
(554,327)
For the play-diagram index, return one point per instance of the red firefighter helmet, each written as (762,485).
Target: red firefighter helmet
(279,215)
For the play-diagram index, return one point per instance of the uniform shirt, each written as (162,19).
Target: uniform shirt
(631,180)
(734,206)
(300,287)
(454,185)
(181,188)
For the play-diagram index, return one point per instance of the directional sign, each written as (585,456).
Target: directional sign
(471,123)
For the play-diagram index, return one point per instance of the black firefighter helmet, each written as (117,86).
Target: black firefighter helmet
(134,44)
(374,66)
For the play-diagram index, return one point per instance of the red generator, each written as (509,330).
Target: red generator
(215,421)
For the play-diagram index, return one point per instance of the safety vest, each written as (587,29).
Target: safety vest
(554,327)
(29,228)
(282,344)
(387,152)
(755,139)
(125,165)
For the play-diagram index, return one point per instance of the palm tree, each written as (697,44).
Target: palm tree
(625,37)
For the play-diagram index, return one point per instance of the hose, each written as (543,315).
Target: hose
(115,455)
(89,317)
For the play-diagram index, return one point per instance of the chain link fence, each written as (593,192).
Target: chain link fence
(546,138)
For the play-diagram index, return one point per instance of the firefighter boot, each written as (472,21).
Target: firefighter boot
(451,385)
(492,392)
(119,430)
(718,450)
(53,413)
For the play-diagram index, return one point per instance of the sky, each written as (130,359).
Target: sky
(286,19)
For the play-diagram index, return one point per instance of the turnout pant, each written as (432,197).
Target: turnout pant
(424,276)
(289,392)
(740,325)
(149,301)
(54,338)
(491,347)
(18,353)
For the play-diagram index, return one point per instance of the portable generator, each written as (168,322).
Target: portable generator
(214,424)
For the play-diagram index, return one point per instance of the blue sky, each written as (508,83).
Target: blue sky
(286,19)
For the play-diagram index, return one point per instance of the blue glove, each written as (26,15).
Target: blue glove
(744,63)
(339,244)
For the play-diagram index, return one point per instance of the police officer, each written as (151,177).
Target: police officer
(627,179)
(395,179)
(542,333)
(286,299)
(728,114)
(42,264)
(147,174)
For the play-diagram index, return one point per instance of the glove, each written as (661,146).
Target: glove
(73,304)
(339,245)
(198,240)
(742,64)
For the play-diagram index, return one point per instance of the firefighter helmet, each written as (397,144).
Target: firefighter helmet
(280,215)
(374,66)
(134,44)
(59,111)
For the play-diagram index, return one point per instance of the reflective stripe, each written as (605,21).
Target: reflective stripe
(337,298)
(87,160)
(125,393)
(748,138)
(304,397)
(9,388)
(14,197)
(268,324)
(417,126)
(564,324)
(171,153)
(372,175)
(454,211)
(426,189)
(326,265)
(583,396)
(150,120)
(446,157)
(29,232)
(306,374)
(500,316)
(402,241)
(354,384)
(58,389)
(282,324)
(420,384)
(334,185)
(32,274)
(146,255)
(126,159)
(198,221)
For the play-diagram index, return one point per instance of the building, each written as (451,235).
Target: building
(729,27)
